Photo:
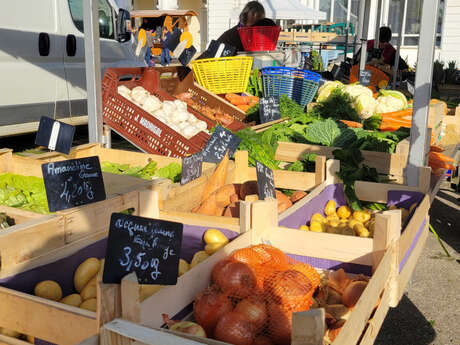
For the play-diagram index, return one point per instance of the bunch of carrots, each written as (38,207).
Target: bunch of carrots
(242,102)
(395,120)
(438,161)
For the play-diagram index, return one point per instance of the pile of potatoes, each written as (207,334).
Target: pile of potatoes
(344,221)
(84,280)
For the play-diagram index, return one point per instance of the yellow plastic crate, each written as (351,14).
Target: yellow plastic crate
(223,75)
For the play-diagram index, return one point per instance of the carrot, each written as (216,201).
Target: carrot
(399,113)
(352,124)
(441,157)
(244,107)
(435,148)
(389,128)
(237,99)
(217,179)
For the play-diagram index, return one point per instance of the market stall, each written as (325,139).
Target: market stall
(269,206)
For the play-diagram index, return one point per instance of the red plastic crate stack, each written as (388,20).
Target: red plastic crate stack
(138,126)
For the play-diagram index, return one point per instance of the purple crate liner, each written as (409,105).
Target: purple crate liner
(316,205)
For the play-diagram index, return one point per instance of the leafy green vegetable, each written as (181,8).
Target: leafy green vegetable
(372,123)
(171,171)
(339,105)
(25,192)
(351,170)
(306,163)
(260,148)
(288,109)
(255,84)
(329,133)
(374,206)
(379,141)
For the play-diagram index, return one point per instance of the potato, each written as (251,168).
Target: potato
(48,289)
(347,231)
(90,290)
(344,212)
(73,299)
(317,227)
(198,257)
(87,270)
(214,236)
(148,290)
(304,227)
(211,248)
(318,218)
(361,216)
(330,208)
(89,304)
(361,231)
(232,210)
(333,216)
(30,339)
(283,201)
(9,333)
(183,266)
(298,195)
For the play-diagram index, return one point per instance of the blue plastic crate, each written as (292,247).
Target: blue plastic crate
(298,84)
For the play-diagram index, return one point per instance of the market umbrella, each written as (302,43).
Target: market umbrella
(286,9)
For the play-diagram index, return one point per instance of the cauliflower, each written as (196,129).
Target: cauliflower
(390,101)
(364,105)
(356,90)
(325,90)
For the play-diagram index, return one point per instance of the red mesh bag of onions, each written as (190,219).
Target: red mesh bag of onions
(253,294)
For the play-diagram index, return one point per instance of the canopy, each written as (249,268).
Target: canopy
(160,13)
(286,9)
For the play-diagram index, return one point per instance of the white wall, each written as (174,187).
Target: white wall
(219,13)
(451,32)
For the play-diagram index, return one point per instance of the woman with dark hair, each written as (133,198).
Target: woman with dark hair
(251,14)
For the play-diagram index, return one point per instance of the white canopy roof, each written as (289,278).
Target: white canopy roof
(286,9)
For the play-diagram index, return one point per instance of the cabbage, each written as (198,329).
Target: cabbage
(325,90)
(365,105)
(397,95)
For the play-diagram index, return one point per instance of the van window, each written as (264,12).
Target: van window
(105,17)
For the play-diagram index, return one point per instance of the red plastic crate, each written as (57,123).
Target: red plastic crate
(259,38)
(137,125)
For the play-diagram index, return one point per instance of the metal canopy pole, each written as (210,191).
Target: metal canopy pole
(377,24)
(93,69)
(423,78)
(402,5)
(365,34)
(347,30)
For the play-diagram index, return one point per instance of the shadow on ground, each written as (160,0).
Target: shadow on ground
(400,323)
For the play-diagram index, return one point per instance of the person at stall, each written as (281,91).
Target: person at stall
(165,58)
(251,13)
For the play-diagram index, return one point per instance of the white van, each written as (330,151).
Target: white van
(42,59)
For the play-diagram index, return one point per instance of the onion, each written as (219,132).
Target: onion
(187,327)
(209,307)
(263,340)
(353,292)
(234,329)
(280,324)
(334,331)
(236,279)
(338,280)
(217,268)
(254,311)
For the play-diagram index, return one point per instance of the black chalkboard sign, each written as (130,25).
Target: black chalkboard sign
(55,135)
(218,49)
(191,168)
(269,109)
(221,141)
(265,181)
(365,77)
(149,247)
(73,182)
(187,55)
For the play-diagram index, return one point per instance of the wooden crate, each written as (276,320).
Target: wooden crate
(388,164)
(44,233)
(286,36)
(177,207)
(378,255)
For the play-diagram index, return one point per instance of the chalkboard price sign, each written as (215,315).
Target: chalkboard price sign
(73,182)
(187,55)
(265,181)
(221,141)
(55,135)
(191,168)
(149,247)
(365,77)
(269,109)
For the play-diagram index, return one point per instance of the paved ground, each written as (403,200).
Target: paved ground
(430,311)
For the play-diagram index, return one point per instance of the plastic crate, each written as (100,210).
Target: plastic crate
(259,38)
(299,85)
(223,75)
(138,126)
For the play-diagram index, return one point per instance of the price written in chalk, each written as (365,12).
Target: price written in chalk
(191,168)
(265,181)
(73,182)
(220,142)
(269,109)
(149,247)
(365,77)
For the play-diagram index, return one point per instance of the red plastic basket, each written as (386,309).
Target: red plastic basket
(138,126)
(259,38)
